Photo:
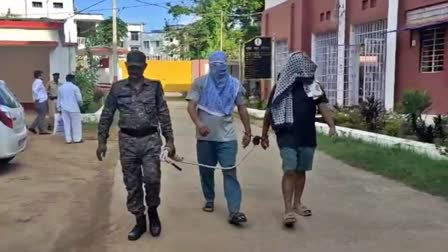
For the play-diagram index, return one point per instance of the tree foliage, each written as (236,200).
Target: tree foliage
(86,77)
(197,40)
(102,36)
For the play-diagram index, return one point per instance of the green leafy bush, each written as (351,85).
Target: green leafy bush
(350,117)
(369,115)
(406,130)
(86,82)
(86,77)
(372,112)
(261,105)
(440,127)
(441,133)
(256,103)
(98,96)
(393,125)
(414,104)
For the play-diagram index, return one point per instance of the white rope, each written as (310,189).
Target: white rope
(177,159)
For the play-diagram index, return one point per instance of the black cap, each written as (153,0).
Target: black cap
(70,77)
(136,58)
(56,74)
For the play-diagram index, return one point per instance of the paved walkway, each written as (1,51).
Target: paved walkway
(353,210)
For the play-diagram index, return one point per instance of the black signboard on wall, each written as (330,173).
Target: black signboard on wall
(258,59)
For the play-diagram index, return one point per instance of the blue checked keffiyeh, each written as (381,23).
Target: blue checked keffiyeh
(299,65)
(221,89)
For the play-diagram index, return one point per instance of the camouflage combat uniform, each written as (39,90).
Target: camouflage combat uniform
(140,111)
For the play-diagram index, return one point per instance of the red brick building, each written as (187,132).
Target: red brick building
(366,48)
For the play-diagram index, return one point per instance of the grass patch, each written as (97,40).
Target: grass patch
(90,127)
(415,170)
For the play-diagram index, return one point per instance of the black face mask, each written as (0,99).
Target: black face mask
(306,81)
(136,72)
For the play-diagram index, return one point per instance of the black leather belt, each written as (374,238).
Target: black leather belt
(139,133)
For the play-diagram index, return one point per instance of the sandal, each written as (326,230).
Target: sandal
(209,207)
(237,219)
(289,219)
(303,211)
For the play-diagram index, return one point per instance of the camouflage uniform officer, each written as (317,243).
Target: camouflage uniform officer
(142,110)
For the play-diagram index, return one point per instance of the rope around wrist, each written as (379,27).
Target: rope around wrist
(164,157)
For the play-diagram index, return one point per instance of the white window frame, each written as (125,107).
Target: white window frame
(135,33)
(34,3)
(432,58)
(58,5)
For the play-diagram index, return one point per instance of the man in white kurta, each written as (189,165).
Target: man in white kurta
(69,102)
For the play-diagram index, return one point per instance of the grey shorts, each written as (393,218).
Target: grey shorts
(299,159)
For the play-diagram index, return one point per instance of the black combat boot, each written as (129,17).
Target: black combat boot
(155,227)
(139,229)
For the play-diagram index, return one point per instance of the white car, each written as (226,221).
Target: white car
(13,131)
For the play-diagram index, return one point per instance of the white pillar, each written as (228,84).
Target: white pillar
(72,58)
(354,66)
(111,68)
(341,52)
(313,47)
(71,38)
(391,51)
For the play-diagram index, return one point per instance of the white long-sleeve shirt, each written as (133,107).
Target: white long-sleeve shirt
(69,98)
(39,91)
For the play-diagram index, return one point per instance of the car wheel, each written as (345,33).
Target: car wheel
(6,160)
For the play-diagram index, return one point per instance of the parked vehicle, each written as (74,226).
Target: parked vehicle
(13,132)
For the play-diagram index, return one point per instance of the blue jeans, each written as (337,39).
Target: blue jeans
(210,153)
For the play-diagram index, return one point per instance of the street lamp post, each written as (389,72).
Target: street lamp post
(222,29)
(114,69)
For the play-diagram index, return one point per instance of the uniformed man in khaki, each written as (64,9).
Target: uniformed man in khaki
(143,111)
(52,89)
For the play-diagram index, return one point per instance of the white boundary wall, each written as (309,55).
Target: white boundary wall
(429,150)
(92,117)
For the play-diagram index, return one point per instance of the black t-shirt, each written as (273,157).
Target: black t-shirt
(303,133)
